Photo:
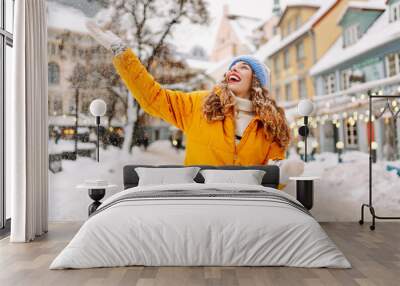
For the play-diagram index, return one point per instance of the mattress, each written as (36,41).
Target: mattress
(201,225)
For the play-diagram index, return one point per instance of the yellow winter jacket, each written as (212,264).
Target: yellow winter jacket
(206,143)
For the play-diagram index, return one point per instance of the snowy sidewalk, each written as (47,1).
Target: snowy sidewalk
(338,195)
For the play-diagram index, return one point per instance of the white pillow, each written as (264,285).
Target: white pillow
(248,177)
(162,176)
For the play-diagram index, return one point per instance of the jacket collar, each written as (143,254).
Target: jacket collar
(218,92)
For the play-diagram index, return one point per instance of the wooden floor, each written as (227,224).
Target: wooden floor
(375,257)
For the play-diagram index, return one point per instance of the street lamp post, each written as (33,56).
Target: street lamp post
(305,108)
(98,108)
(339,147)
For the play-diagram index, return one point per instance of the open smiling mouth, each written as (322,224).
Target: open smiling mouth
(233,79)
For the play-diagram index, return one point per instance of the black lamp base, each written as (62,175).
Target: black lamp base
(96,195)
(305,193)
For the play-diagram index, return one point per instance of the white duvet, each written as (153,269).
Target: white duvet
(200,231)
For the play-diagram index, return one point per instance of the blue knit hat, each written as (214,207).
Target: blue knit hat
(259,69)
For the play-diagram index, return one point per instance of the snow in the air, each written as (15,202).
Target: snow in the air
(338,194)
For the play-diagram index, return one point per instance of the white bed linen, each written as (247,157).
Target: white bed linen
(206,231)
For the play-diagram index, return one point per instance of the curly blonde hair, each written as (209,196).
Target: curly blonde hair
(272,116)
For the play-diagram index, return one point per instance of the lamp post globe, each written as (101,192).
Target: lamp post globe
(305,107)
(98,107)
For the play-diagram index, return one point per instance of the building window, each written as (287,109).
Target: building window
(286,59)
(302,88)
(392,62)
(345,79)
(288,92)
(351,34)
(300,50)
(7,65)
(277,68)
(54,73)
(395,12)
(329,83)
(57,106)
(277,93)
(351,134)
(289,28)
(298,21)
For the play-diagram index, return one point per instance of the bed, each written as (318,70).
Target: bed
(201,224)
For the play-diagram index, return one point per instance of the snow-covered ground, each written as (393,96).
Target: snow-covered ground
(338,195)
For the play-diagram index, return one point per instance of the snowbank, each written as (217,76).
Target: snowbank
(338,194)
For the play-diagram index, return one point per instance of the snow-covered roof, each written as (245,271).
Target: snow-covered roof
(379,34)
(328,4)
(218,65)
(370,5)
(313,3)
(363,5)
(265,50)
(84,120)
(64,17)
(199,64)
(299,3)
(243,27)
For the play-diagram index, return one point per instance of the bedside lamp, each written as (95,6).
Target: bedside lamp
(98,108)
(305,108)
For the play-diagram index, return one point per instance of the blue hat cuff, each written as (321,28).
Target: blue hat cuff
(259,69)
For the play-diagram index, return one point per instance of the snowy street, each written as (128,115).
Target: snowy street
(338,195)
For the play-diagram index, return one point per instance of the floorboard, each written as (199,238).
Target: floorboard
(374,255)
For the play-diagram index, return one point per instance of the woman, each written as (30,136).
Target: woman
(236,123)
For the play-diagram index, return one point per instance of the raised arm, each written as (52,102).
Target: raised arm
(175,107)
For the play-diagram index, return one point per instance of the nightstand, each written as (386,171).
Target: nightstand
(96,193)
(305,190)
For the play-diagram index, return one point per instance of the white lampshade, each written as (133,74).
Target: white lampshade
(305,107)
(98,107)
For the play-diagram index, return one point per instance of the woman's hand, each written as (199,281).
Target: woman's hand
(107,39)
(290,168)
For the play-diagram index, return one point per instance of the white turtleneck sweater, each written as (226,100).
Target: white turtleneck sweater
(243,117)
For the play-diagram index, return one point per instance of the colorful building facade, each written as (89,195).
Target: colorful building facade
(366,57)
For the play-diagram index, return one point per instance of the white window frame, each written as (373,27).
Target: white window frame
(329,83)
(345,79)
(351,134)
(6,42)
(394,12)
(351,34)
(396,58)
